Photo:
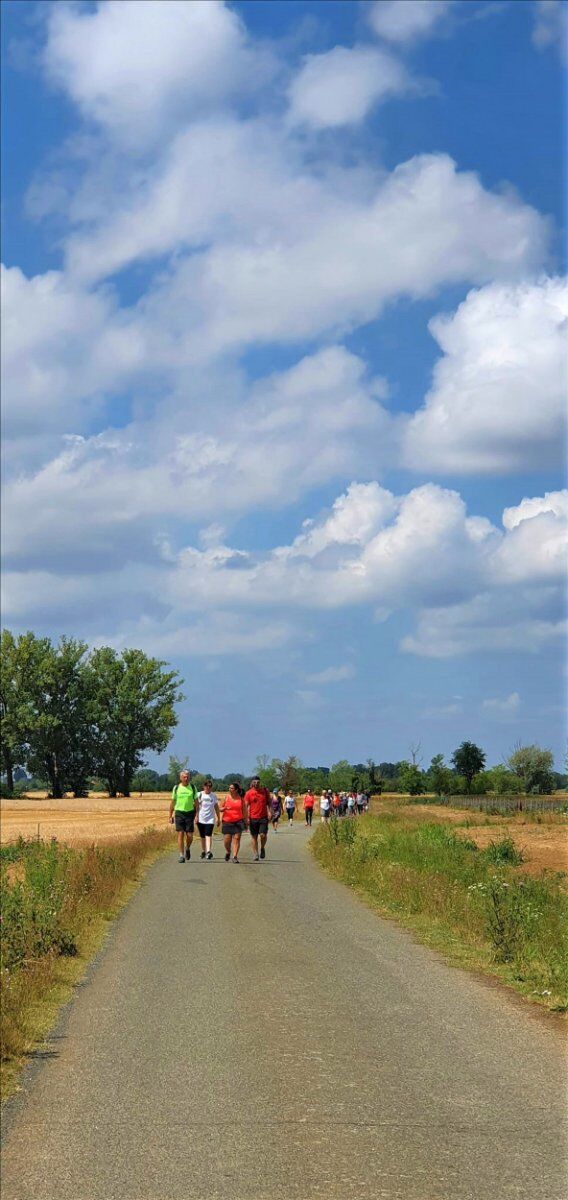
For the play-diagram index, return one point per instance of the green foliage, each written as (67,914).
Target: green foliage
(503,782)
(503,851)
(59,736)
(534,767)
(468,760)
(50,896)
(287,772)
(411,779)
(439,778)
(267,772)
(430,874)
(133,700)
(341,776)
(21,661)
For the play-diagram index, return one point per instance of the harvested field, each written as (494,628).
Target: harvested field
(81,822)
(542,841)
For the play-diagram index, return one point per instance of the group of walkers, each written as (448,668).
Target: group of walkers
(253,809)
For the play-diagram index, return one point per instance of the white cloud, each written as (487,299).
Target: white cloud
(341,86)
(503,707)
(551,26)
(135,67)
(331,675)
(63,350)
(497,402)
(402,21)
(117,492)
(498,622)
(342,270)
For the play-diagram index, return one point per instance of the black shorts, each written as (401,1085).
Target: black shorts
(260,826)
(205,830)
(184,821)
(232,827)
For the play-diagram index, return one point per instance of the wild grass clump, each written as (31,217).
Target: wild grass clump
(457,894)
(51,895)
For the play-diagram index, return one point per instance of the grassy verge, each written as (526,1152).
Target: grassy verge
(56,906)
(475,905)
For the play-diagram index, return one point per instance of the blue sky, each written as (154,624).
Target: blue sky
(284,373)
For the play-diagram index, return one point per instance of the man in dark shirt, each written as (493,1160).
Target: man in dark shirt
(257,798)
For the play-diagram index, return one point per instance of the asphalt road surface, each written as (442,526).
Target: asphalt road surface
(254,1032)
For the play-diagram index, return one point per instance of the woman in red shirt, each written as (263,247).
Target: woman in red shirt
(234,818)
(309,801)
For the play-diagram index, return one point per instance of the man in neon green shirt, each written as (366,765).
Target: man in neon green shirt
(183,805)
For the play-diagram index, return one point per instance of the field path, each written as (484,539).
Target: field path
(254,1032)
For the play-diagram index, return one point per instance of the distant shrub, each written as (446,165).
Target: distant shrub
(503,851)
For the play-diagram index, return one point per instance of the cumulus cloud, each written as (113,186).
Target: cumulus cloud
(63,348)
(402,21)
(135,67)
(341,86)
(120,489)
(497,402)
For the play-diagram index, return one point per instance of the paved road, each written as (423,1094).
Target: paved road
(254,1032)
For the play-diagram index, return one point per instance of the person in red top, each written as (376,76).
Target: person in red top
(257,800)
(234,820)
(309,801)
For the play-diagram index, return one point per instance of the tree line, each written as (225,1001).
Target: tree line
(69,714)
(528,769)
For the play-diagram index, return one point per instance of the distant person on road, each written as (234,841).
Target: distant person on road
(207,816)
(234,819)
(325,806)
(257,800)
(336,804)
(309,802)
(360,802)
(183,806)
(275,810)
(290,806)
(351,805)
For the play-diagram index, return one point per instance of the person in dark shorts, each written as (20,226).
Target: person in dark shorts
(207,816)
(234,818)
(183,805)
(257,800)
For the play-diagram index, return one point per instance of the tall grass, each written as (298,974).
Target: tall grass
(51,897)
(445,885)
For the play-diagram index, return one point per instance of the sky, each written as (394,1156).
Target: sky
(284,370)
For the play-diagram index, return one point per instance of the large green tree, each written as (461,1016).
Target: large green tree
(468,760)
(60,742)
(440,778)
(20,689)
(411,779)
(133,708)
(534,767)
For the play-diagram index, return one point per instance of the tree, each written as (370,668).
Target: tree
(287,772)
(534,768)
(341,776)
(20,688)
(133,711)
(175,768)
(376,782)
(146,780)
(440,778)
(468,760)
(411,779)
(59,736)
(503,782)
(266,771)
